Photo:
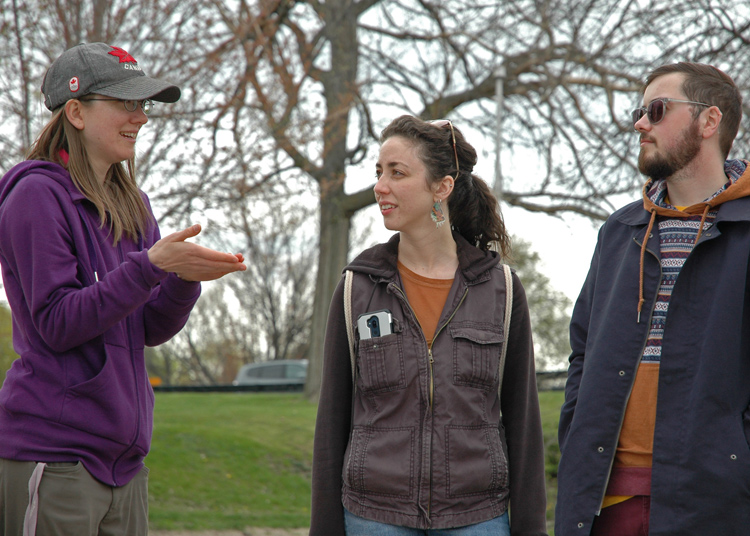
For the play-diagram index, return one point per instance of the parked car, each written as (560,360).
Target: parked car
(279,375)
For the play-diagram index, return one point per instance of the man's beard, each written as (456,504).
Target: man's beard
(661,166)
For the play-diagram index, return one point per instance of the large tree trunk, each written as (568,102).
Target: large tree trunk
(339,90)
(334,244)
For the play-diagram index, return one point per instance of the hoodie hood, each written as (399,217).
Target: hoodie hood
(38,167)
(736,187)
(654,202)
(61,176)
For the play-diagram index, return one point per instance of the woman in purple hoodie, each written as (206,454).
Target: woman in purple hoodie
(90,283)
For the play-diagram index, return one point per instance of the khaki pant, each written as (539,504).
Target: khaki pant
(72,502)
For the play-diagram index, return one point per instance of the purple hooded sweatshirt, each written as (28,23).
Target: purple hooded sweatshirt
(83,310)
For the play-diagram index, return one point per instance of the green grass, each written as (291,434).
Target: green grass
(230,460)
(227,461)
(549,404)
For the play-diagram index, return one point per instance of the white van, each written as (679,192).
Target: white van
(278,375)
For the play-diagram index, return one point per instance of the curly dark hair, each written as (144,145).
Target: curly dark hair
(474,210)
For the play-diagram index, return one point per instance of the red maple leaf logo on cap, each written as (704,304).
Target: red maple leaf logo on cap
(123,55)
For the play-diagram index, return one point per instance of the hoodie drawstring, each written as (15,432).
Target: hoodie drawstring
(643,255)
(650,227)
(89,242)
(703,221)
(738,186)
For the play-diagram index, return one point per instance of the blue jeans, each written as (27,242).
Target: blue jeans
(357,526)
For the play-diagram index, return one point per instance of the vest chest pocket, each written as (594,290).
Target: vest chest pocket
(476,354)
(380,363)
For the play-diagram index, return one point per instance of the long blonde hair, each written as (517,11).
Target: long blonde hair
(118,200)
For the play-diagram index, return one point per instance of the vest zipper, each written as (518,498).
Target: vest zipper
(432,382)
(429,348)
(431,362)
(131,344)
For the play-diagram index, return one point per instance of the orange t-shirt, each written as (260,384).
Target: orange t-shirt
(636,445)
(426,297)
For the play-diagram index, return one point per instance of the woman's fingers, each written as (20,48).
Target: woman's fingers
(191,261)
(181,236)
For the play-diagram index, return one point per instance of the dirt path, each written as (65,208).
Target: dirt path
(246,532)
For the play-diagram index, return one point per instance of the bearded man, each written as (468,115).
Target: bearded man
(655,428)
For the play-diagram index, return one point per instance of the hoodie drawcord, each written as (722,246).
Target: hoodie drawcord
(643,256)
(89,242)
(650,227)
(703,221)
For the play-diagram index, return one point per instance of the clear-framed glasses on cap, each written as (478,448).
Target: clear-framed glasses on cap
(440,123)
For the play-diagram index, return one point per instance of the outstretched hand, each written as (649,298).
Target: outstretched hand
(190,261)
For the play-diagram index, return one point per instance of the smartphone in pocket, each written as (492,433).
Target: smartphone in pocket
(375,324)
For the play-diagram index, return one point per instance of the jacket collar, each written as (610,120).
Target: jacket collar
(381,261)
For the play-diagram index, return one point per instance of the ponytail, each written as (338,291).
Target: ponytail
(475,214)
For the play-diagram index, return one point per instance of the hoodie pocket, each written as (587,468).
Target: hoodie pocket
(476,354)
(105,405)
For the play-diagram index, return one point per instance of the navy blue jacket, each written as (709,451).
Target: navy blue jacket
(701,459)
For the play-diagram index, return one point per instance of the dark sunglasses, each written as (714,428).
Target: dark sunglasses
(657,109)
(440,123)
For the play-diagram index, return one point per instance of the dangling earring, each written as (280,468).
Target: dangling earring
(437,214)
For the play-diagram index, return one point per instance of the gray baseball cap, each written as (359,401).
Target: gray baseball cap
(105,70)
